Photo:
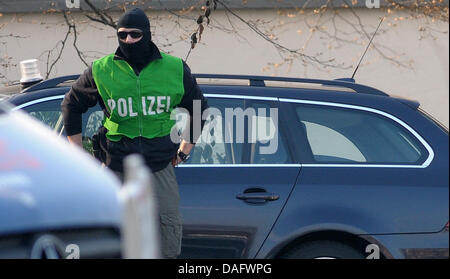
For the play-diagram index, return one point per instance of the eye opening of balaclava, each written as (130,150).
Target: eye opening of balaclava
(138,52)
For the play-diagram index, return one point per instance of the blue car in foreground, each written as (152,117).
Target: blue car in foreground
(300,168)
(55,202)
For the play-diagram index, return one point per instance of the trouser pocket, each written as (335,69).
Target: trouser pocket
(171,234)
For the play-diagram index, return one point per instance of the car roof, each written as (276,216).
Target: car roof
(6,92)
(252,81)
(24,97)
(341,91)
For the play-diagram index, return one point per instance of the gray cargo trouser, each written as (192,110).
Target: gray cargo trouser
(167,197)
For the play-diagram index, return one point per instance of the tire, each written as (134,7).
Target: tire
(323,249)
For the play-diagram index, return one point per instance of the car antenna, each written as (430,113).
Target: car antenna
(367,48)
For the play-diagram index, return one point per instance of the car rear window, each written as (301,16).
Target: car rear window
(345,135)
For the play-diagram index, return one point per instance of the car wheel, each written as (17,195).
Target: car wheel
(323,249)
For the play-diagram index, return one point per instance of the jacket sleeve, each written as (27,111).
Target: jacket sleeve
(193,93)
(78,100)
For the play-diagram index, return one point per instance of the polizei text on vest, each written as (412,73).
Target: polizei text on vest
(151,105)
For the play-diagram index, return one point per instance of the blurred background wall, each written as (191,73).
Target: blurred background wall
(409,58)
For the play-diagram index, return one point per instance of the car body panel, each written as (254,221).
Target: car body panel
(397,207)
(216,223)
(31,160)
(354,205)
(413,246)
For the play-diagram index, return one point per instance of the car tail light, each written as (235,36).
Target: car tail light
(446,227)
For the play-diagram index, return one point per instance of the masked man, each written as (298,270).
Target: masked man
(138,87)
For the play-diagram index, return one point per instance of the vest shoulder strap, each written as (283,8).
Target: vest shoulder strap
(104,63)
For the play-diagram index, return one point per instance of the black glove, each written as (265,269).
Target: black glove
(99,144)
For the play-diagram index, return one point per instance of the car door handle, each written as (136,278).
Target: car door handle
(258,196)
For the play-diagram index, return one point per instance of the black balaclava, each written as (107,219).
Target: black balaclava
(139,53)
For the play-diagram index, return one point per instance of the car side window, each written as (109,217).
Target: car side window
(268,144)
(48,112)
(342,148)
(213,146)
(344,135)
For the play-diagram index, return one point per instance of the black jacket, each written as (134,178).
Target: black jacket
(158,152)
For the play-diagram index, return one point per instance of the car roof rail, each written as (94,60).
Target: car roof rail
(256,81)
(50,83)
(260,82)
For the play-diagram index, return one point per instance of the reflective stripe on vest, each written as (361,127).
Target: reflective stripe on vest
(139,105)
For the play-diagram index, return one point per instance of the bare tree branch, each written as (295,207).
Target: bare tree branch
(326,63)
(269,31)
(49,52)
(431,9)
(368,36)
(103,16)
(73,26)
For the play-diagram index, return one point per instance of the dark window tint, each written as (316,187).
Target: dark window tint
(340,135)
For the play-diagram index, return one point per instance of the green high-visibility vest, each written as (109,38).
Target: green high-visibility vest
(139,105)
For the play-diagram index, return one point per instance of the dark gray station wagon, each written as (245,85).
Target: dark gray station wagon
(348,171)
